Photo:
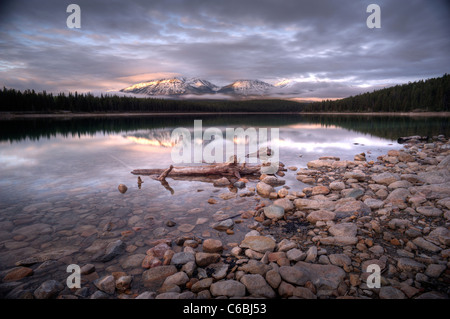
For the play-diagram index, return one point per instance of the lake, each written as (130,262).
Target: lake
(59,197)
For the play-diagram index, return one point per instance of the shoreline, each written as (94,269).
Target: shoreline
(12,116)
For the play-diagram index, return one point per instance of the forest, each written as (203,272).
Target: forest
(431,95)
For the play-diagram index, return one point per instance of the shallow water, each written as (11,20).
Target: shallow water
(59,178)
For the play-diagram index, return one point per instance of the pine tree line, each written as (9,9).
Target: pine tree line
(432,95)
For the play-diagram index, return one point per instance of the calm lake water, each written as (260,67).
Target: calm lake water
(59,178)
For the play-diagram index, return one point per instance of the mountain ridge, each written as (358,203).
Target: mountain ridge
(177,86)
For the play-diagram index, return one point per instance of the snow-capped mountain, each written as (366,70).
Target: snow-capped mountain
(247,87)
(181,86)
(173,86)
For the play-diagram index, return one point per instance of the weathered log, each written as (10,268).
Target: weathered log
(229,169)
(164,174)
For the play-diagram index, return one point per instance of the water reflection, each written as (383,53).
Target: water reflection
(60,177)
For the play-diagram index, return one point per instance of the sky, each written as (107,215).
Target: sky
(323,46)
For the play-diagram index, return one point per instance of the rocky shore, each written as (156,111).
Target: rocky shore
(310,243)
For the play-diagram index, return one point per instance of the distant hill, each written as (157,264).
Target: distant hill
(432,95)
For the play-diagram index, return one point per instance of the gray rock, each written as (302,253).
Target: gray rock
(204,259)
(123,283)
(286,203)
(320,215)
(106,284)
(221,182)
(224,225)
(337,186)
(348,207)
(295,254)
(273,181)
(385,178)
(132,261)
(339,240)
(182,258)
(407,264)
(113,249)
(435,270)
(340,260)
(154,277)
(274,211)
(228,288)
(257,286)
(293,275)
(48,289)
(425,244)
(201,285)
(429,211)
(177,279)
(311,254)
(273,278)
(390,292)
(374,203)
(354,193)
(260,244)
(343,229)
(147,295)
(100,295)
(399,194)
(255,267)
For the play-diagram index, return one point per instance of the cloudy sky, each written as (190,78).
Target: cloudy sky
(324,45)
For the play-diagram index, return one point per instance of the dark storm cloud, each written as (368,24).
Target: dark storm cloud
(325,45)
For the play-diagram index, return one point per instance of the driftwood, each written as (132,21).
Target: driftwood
(223,169)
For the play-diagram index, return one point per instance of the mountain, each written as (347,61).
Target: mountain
(173,86)
(247,87)
(179,86)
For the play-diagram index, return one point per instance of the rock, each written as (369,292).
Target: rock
(257,286)
(311,254)
(228,288)
(429,211)
(374,203)
(344,229)
(87,269)
(320,164)
(154,277)
(177,279)
(306,204)
(48,289)
(99,295)
(352,193)
(356,174)
(113,249)
(339,240)
(399,223)
(274,212)
(201,285)
(407,264)
(440,235)
(399,184)
(385,178)
(106,284)
(122,188)
(273,181)
(273,278)
(320,215)
(182,258)
(168,295)
(340,260)
(255,267)
(347,208)
(399,194)
(264,189)
(425,244)
(132,261)
(147,295)
(360,157)
(212,245)
(295,255)
(326,277)
(18,273)
(435,270)
(293,275)
(224,225)
(285,203)
(320,190)
(123,283)
(221,182)
(390,292)
(204,259)
(285,245)
(337,186)
(303,293)
(260,244)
